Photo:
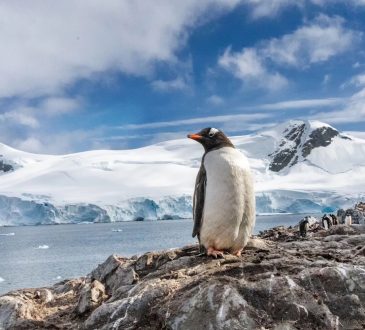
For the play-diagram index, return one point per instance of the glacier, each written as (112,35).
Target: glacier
(16,211)
(299,167)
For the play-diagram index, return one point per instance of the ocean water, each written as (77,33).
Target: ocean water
(36,256)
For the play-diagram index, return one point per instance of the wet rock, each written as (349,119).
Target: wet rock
(282,281)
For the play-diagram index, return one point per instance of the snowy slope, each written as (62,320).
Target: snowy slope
(300,166)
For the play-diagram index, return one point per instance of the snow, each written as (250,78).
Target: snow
(156,182)
(340,156)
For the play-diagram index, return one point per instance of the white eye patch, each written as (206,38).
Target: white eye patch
(213,131)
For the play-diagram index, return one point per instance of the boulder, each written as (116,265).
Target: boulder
(91,296)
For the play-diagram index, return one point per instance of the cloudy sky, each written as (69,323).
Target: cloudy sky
(79,75)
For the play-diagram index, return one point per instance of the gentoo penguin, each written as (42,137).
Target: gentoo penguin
(303,227)
(334,219)
(326,222)
(307,223)
(224,197)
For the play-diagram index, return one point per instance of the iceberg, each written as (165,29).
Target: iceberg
(42,247)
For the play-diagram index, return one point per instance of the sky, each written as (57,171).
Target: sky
(81,75)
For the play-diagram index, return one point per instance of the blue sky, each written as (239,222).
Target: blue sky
(87,75)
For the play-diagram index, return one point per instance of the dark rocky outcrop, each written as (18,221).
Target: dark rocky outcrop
(286,155)
(297,143)
(4,167)
(321,137)
(280,282)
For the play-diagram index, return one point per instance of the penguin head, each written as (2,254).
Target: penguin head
(211,138)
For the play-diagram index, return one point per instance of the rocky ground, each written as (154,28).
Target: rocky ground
(280,282)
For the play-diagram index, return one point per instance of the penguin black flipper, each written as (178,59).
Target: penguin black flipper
(198,200)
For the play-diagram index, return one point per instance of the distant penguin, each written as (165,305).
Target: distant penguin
(224,197)
(303,227)
(307,223)
(348,219)
(334,220)
(326,222)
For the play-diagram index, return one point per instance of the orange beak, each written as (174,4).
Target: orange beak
(195,137)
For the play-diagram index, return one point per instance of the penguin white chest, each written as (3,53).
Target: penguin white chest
(229,211)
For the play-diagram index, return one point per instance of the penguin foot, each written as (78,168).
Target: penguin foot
(215,253)
(237,253)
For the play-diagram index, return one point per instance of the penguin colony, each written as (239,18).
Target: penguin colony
(224,198)
(308,222)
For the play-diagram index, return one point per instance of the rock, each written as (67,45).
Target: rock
(4,167)
(257,244)
(282,281)
(121,277)
(44,295)
(91,296)
(103,270)
(12,310)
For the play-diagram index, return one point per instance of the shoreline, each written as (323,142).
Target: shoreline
(280,280)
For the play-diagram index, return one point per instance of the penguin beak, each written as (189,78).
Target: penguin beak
(195,137)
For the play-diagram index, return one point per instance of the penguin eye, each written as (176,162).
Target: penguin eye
(212,132)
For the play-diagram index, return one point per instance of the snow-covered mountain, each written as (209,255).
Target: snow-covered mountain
(300,166)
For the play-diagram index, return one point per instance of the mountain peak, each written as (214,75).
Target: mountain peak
(298,139)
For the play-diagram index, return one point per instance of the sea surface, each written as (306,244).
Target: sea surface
(35,256)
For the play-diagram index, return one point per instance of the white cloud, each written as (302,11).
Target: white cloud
(199,120)
(326,79)
(301,104)
(28,127)
(352,112)
(318,41)
(249,67)
(22,114)
(48,46)
(30,144)
(215,100)
(55,106)
(271,8)
(314,42)
(19,117)
(358,80)
(178,84)
(42,141)
(265,8)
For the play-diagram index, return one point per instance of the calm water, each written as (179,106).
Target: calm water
(41,255)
